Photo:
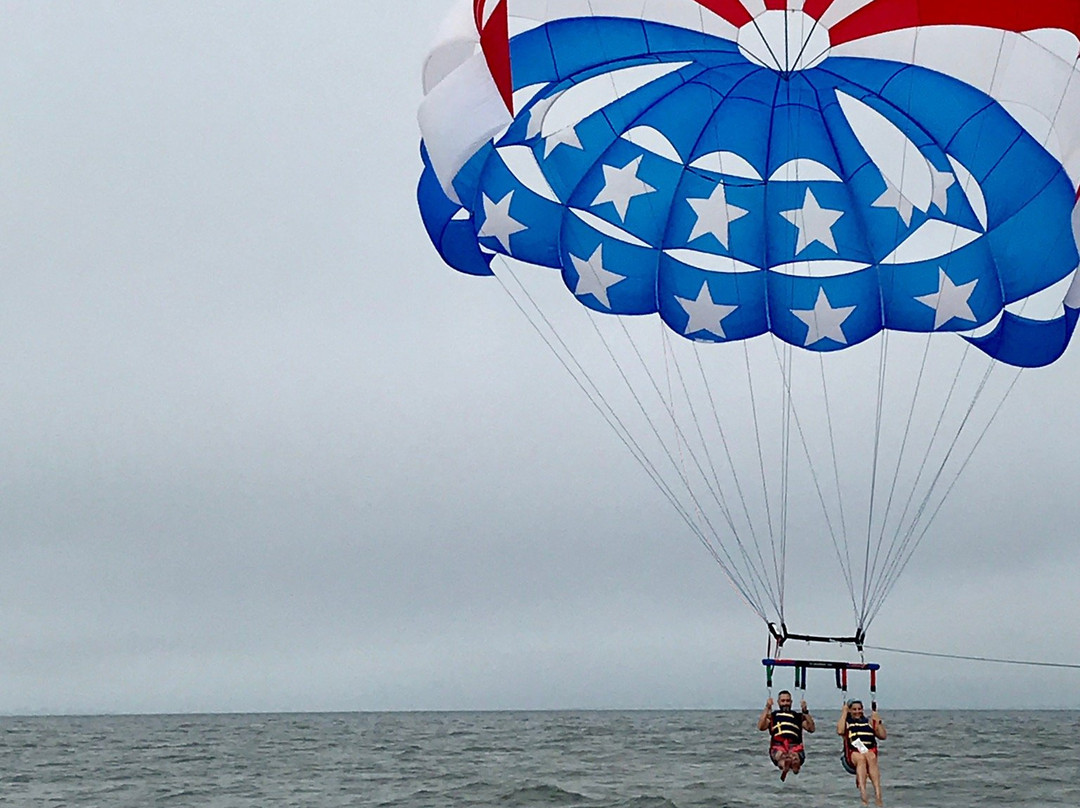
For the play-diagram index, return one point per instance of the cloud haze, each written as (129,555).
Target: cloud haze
(262,451)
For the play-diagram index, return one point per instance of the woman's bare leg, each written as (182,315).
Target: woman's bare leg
(859,759)
(874,772)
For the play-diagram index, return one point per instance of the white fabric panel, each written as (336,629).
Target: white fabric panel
(688,15)
(521,161)
(755,7)
(487,10)
(971,190)
(1072,297)
(784,41)
(726,162)
(526,14)
(653,140)
(841,9)
(455,43)
(1038,85)
(710,262)
(1046,304)
(607,228)
(582,100)
(460,114)
(933,240)
(818,269)
(802,169)
(896,157)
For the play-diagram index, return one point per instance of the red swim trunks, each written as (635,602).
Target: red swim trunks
(782,747)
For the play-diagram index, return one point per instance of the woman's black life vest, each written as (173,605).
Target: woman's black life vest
(861,729)
(786,726)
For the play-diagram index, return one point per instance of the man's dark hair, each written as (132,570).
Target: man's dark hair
(782,692)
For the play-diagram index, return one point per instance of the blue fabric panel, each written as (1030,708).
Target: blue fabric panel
(578,44)
(1036,248)
(1028,343)
(872,75)
(746,290)
(983,141)
(646,214)
(538,243)
(787,294)
(636,294)
(901,284)
(455,239)
(747,230)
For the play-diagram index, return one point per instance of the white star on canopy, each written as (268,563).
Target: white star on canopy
(498,223)
(950,300)
(895,199)
(823,321)
(593,278)
(714,215)
(704,314)
(567,136)
(621,185)
(943,181)
(814,222)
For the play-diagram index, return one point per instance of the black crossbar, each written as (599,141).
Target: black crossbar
(821,663)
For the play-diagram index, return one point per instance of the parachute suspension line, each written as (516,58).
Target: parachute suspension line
(607,412)
(591,390)
(714,485)
(728,564)
(845,570)
(896,563)
(680,442)
(760,453)
(899,460)
(843,558)
(832,450)
(680,439)
(873,473)
(717,496)
(902,538)
(907,552)
(896,543)
(785,470)
(870,568)
(727,453)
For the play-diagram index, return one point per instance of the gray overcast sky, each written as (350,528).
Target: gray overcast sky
(262,451)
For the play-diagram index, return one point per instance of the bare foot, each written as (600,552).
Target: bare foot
(783,775)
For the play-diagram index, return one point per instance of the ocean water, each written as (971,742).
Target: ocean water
(519,760)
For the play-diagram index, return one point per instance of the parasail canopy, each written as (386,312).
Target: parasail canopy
(776,182)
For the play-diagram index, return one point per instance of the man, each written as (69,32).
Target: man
(786,727)
(860,746)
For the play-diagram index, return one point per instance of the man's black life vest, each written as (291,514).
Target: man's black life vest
(786,726)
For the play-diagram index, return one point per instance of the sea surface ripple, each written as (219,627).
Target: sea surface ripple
(634,759)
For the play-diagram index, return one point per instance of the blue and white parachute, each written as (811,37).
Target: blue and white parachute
(822,171)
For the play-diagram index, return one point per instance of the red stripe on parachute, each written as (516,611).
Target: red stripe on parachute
(495,42)
(731,10)
(880,16)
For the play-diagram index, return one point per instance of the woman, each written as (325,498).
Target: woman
(860,746)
